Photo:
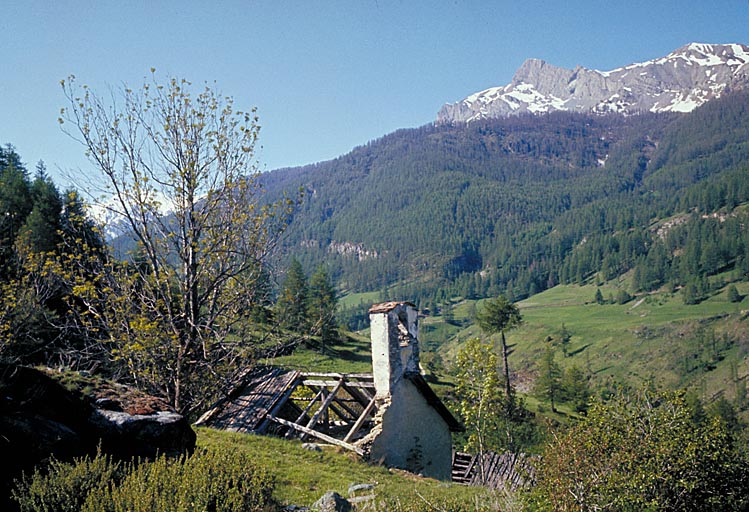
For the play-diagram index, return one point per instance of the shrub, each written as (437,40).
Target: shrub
(64,486)
(642,453)
(216,480)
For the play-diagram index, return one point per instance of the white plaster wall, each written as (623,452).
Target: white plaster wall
(382,363)
(413,435)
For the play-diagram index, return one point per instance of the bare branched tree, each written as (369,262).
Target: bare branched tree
(180,168)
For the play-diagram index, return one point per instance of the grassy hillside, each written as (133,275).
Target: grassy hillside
(653,338)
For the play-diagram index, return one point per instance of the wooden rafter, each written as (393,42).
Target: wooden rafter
(306,411)
(319,435)
(360,421)
(324,406)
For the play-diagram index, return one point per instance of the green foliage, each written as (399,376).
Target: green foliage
(479,393)
(642,452)
(733,294)
(15,204)
(64,486)
(498,315)
(575,388)
(291,307)
(494,420)
(322,307)
(40,246)
(177,317)
(435,212)
(215,479)
(549,382)
(599,297)
(622,297)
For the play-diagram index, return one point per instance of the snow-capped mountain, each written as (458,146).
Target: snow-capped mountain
(679,82)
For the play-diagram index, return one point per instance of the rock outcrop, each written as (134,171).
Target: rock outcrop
(679,82)
(44,413)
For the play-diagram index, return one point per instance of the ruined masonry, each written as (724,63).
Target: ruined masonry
(390,416)
(412,427)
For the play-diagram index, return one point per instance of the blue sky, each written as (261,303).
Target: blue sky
(325,76)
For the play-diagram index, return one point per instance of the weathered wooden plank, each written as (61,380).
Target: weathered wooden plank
(319,435)
(279,403)
(360,421)
(333,383)
(347,376)
(305,412)
(324,406)
(361,394)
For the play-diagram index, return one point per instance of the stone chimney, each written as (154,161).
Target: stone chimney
(395,346)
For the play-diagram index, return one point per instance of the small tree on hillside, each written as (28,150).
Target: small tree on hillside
(549,382)
(598,297)
(733,294)
(497,316)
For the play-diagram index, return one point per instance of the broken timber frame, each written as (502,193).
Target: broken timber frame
(332,407)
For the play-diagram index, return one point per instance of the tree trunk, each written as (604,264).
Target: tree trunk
(508,388)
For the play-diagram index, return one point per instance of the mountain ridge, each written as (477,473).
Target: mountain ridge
(517,204)
(678,82)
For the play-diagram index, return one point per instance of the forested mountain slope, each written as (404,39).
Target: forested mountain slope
(520,204)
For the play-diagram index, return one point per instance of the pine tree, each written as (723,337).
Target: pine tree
(41,230)
(733,294)
(575,388)
(549,383)
(599,296)
(497,316)
(322,308)
(15,206)
(291,308)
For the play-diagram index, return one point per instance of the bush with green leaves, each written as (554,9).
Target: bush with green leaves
(215,480)
(64,486)
(643,452)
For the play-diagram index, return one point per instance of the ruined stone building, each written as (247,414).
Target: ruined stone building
(390,416)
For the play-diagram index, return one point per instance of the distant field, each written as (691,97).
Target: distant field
(653,338)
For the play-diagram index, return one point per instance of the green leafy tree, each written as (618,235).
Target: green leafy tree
(41,229)
(174,319)
(497,316)
(479,392)
(575,388)
(691,294)
(642,452)
(622,297)
(322,307)
(15,205)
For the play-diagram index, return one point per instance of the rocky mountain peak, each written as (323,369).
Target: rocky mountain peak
(679,82)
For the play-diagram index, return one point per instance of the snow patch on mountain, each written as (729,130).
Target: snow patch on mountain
(679,82)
